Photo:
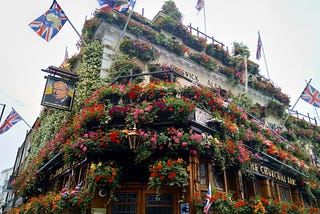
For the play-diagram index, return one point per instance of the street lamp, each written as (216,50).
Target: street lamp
(133,137)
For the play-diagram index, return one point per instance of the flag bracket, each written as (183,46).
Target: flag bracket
(62,73)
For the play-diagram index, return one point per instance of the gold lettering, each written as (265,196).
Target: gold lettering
(254,167)
(273,174)
(190,75)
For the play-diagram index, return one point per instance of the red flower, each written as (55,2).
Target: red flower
(103,144)
(239,204)
(114,137)
(265,201)
(172,175)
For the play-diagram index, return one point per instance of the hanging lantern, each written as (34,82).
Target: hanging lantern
(133,137)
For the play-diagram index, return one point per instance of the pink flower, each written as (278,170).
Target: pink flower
(154,138)
(148,108)
(184,144)
(194,152)
(196,137)
(84,149)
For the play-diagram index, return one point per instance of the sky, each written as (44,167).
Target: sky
(289,31)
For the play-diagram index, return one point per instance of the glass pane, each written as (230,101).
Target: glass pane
(159,204)
(306,201)
(203,174)
(217,182)
(126,203)
(285,194)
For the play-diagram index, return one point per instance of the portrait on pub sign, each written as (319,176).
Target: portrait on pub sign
(58,93)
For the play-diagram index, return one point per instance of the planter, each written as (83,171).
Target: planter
(93,125)
(117,122)
(163,117)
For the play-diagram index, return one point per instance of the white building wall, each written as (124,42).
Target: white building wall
(4,178)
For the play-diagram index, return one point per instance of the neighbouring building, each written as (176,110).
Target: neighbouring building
(160,117)
(4,178)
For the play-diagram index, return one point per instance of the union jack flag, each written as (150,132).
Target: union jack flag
(76,190)
(65,191)
(12,119)
(208,202)
(200,5)
(259,46)
(311,96)
(106,5)
(49,23)
(125,7)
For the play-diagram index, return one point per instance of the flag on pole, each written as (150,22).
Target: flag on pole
(12,119)
(311,96)
(106,5)
(76,190)
(200,5)
(65,191)
(125,7)
(208,201)
(259,46)
(49,23)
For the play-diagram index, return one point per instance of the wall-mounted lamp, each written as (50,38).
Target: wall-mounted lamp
(133,137)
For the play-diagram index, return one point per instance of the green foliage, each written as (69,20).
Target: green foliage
(218,52)
(240,49)
(276,109)
(89,73)
(170,9)
(140,49)
(122,66)
(89,28)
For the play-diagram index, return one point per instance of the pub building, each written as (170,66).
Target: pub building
(162,124)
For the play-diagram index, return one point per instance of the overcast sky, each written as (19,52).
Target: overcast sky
(289,30)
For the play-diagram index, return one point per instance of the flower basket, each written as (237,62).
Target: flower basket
(104,174)
(118,114)
(143,50)
(179,109)
(170,173)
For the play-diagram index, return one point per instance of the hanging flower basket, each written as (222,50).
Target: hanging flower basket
(104,174)
(169,173)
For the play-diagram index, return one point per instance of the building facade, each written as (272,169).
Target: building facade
(168,118)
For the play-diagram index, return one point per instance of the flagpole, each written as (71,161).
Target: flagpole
(76,32)
(315,109)
(4,106)
(290,110)
(124,29)
(204,18)
(264,56)
(71,24)
(22,119)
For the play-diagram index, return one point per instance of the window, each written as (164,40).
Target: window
(306,200)
(159,204)
(203,173)
(137,201)
(284,193)
(248,187)
(217,179)
(126,203)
